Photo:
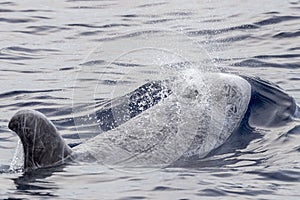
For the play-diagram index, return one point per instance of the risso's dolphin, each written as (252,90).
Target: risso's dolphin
(168,121)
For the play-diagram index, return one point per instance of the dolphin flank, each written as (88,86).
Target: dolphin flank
(174,122)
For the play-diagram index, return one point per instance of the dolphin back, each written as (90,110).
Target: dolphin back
(199,115)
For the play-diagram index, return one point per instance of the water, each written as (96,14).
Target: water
(67,58)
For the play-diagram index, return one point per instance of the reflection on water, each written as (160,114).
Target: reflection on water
(35,183)
(51,49)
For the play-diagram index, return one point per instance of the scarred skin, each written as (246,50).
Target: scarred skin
(44,147)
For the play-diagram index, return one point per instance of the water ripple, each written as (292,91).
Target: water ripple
(276,20)
(90,33)
(102,26)
(212,193)
(130,35)
(15,20)
(42,29)
(21,92)
(277,56)
(282,175)
(158,21)
(224,30)
(287,34)
(8,3)
(28,50)
(24,53)
(257,63)
(152,4)
(129,16)
(93,62)
(165,188)
(5,10)
(256,25)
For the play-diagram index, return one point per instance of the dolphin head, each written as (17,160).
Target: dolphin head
(43,146)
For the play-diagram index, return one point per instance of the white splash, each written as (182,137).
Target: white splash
(18,159)
(197,117)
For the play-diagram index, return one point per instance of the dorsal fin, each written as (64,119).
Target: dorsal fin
(43,146)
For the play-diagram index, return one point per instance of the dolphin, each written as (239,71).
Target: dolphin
(191,119)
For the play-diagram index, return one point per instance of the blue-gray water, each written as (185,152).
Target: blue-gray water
(66,58)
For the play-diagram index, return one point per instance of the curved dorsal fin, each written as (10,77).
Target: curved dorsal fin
(43,146)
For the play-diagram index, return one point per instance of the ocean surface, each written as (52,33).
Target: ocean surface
(67,58)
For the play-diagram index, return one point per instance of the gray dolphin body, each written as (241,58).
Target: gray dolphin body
(177,121)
